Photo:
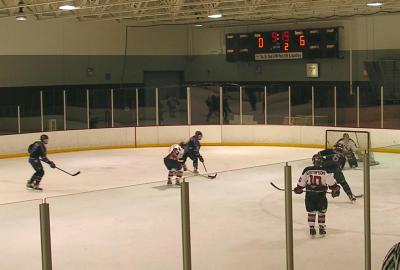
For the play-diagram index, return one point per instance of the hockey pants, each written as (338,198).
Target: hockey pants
(193,157)
(37,166)
(339,177)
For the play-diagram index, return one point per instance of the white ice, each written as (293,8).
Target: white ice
(237,219)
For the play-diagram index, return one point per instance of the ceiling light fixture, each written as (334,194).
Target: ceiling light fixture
(21,15)
(67,7)
(215,16)
(375,4)
(198,25)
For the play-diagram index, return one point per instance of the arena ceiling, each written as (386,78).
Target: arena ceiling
(158,12)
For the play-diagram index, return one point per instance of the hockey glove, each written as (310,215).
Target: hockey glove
(298,190)
(201,159)
(335,191)
(52,164)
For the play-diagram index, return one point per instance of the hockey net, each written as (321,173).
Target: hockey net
(362,140)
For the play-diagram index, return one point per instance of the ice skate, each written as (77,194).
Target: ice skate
(312,231)
(169,182)
(322,230)
(33,186)
(352,198)
(177,182)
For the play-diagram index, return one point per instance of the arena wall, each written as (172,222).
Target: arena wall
(157,136)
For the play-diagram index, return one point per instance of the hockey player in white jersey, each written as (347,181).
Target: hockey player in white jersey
(349,149)
(316,181)
(173,162)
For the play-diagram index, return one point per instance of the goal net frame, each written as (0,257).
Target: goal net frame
(360,137)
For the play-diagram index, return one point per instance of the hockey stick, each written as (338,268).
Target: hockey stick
(211,176)
(72,174)
(282,189)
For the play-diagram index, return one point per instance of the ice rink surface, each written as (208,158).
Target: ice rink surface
(119,214)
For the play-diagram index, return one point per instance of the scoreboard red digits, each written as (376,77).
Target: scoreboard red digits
(287,44)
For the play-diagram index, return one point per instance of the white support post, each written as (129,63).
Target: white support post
(65,110)
(312,104)
(87,109)
(265,105)
(382,106)
(112,107)
(358,106)
(157,116)
(189,105)
(19,119)
(221,116)
(335,104)
(290,105)
(241,105)
(137,107)
(41,111)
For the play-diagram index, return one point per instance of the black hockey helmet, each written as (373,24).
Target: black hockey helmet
(317,160)
(44,137)
(198,134)
(182,144)
(346,136)
(339,147)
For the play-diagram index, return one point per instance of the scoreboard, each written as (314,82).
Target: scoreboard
(280,45)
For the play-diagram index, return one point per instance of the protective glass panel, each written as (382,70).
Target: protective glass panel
(29,101)
(205,102)
(8,118)
(53,110)
(344,233)
(172,105)
(385,208)
(147,107)
(239,216)
(124,107)
(346,100)
(324,105)
(370,106)
(278,104)
(20,236)
(76,109)
(253,105)
(231,105)
(391,107)
(301,105)
(134,227)
(99,108)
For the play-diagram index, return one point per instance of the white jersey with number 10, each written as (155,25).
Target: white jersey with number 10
(315,177)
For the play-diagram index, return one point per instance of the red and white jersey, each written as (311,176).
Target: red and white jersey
(316,177)
(175,152)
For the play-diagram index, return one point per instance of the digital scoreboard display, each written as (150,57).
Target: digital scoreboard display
(281,45)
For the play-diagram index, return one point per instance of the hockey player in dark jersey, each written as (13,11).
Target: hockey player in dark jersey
(37,153)
(316,180)
(333,161)
(173,162)
(192,150)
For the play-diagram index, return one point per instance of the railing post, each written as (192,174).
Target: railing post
(367,212)
(185,213)
(289,217)
(45,235)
